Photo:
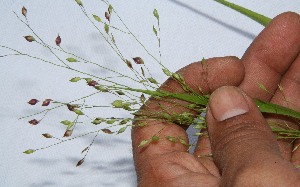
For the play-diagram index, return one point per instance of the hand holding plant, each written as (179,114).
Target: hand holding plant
(244,149)
(267,73)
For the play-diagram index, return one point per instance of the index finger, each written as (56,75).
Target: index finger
(270,55)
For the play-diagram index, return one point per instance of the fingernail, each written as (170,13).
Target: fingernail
(227,102)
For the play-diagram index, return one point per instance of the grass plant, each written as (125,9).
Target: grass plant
(129,98)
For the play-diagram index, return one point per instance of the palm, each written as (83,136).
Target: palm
(178,169)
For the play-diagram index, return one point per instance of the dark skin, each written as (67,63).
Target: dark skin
(245,151)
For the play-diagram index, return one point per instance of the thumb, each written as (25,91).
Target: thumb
(243,145)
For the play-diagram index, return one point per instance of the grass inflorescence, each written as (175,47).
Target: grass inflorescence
(129,98)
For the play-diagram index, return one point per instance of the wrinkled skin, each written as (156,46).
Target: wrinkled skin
(245,151)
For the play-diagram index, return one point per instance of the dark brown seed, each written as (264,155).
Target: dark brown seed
(85,149)
(58,40)
(129,64)
(72,107)
(138,60)
(24,11)
(33,122)
(46,102)
(29,38)
(33,101)
(92,83)
(107,131)
(80,162)
(143,98)
(46,135)
(68,133)
(107,16)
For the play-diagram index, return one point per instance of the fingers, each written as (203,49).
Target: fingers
(205,77)
(204,155)
(287,94)
(291,92)
(198,76)
(243,145)
(270,55)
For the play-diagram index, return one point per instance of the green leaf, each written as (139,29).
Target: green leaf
(155,13)
(276,109)
(263,20)
(143,143)
(106,28)
(152,80)
(72,60)
(66,122)
(196,99)
(110,8)
(75,79)
(154,30)
(97,18)
(122,130)
(78,112)
(79,2)
(29,151)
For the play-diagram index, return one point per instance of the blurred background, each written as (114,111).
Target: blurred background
(190,30)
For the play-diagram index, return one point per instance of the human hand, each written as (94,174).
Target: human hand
(245,151)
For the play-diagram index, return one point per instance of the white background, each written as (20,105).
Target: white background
(190,30)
